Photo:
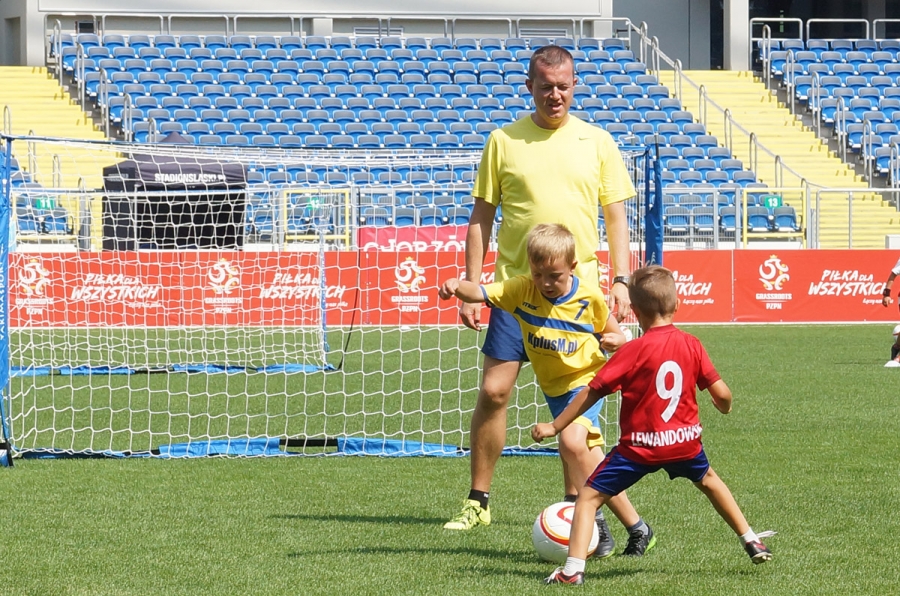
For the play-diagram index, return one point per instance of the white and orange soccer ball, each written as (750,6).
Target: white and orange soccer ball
(551,530)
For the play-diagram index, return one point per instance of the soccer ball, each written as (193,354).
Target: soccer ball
(551,530)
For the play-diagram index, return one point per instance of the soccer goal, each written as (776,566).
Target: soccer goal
(172,300)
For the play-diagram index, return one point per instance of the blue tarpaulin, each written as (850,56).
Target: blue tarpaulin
(255,446)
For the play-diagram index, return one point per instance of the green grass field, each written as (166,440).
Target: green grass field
(810,451)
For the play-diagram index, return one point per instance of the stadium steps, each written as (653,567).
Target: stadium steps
(38,105)
(757,110)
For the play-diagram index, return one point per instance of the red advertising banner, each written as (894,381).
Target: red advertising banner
(154,289)
(375,287)
(703,279)
(811,285)
(93,289)
(413,238)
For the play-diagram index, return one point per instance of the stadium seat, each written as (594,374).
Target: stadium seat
(758,219)
(785,219)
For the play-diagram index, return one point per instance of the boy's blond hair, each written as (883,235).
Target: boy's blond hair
(549,242)
(652,291)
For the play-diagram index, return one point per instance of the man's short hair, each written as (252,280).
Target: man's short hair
(550,56)
(652,291)
(547,243)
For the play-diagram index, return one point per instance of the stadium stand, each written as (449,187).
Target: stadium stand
(382,93)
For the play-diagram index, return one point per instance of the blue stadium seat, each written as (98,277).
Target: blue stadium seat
(784,219)
(758,219)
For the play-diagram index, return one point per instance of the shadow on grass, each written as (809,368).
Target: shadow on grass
(505,555)
(366,519)
(593,573)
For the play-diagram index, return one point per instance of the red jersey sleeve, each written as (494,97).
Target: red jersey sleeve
(611,375)
(708,373)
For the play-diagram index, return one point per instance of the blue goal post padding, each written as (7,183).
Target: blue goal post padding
(243,446)
(84,370)
(395,447)
(272,447)
(403,448)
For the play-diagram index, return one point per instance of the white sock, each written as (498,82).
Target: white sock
(750,536)
(573,566)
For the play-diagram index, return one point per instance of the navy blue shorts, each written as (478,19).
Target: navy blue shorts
(617,473)
(503,340)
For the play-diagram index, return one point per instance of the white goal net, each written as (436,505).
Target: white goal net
(176,301)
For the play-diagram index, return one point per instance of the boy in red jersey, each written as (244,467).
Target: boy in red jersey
(658,375)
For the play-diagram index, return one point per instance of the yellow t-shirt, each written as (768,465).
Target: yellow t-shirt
(538,176)
(559,333)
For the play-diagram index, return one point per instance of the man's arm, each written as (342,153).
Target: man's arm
(886,295)
(619,255)
(477,240)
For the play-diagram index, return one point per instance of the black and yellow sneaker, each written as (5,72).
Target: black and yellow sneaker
(639,543)
(472,515)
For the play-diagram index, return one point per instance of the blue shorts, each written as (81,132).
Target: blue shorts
(589,420)
(558,404)
(617,473)
(503,340)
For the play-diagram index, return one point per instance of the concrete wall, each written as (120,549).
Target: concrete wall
(437,7)
(21,33)
(252,19)
(674,21)
(682,27)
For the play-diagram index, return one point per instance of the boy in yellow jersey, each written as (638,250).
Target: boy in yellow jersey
(566,326)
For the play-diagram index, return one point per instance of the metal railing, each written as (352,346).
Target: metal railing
(877,22)
(56,171)
(894,169)
(815,103)
(811,22)
(855,231)
(80,57)
(32,155)
(840,128)
(576,23)
(128,117)
(83,229)
(788,76)
(57,51)
(7,120)
(103,99)
(704,102)
(766,36)
(800,193)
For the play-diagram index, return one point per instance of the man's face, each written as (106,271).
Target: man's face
(552,278)
(552,89)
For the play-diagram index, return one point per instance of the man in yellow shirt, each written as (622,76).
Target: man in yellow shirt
(549,167)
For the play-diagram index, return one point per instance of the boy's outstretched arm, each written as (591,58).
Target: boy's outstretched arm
(462,289)
(721,396)
(613,338)
(579,405)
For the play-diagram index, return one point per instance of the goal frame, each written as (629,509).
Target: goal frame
(646,246)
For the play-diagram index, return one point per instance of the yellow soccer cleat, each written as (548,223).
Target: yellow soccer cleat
(472,514)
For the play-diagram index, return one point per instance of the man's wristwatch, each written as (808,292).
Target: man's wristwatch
(621,279)
(886,293)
